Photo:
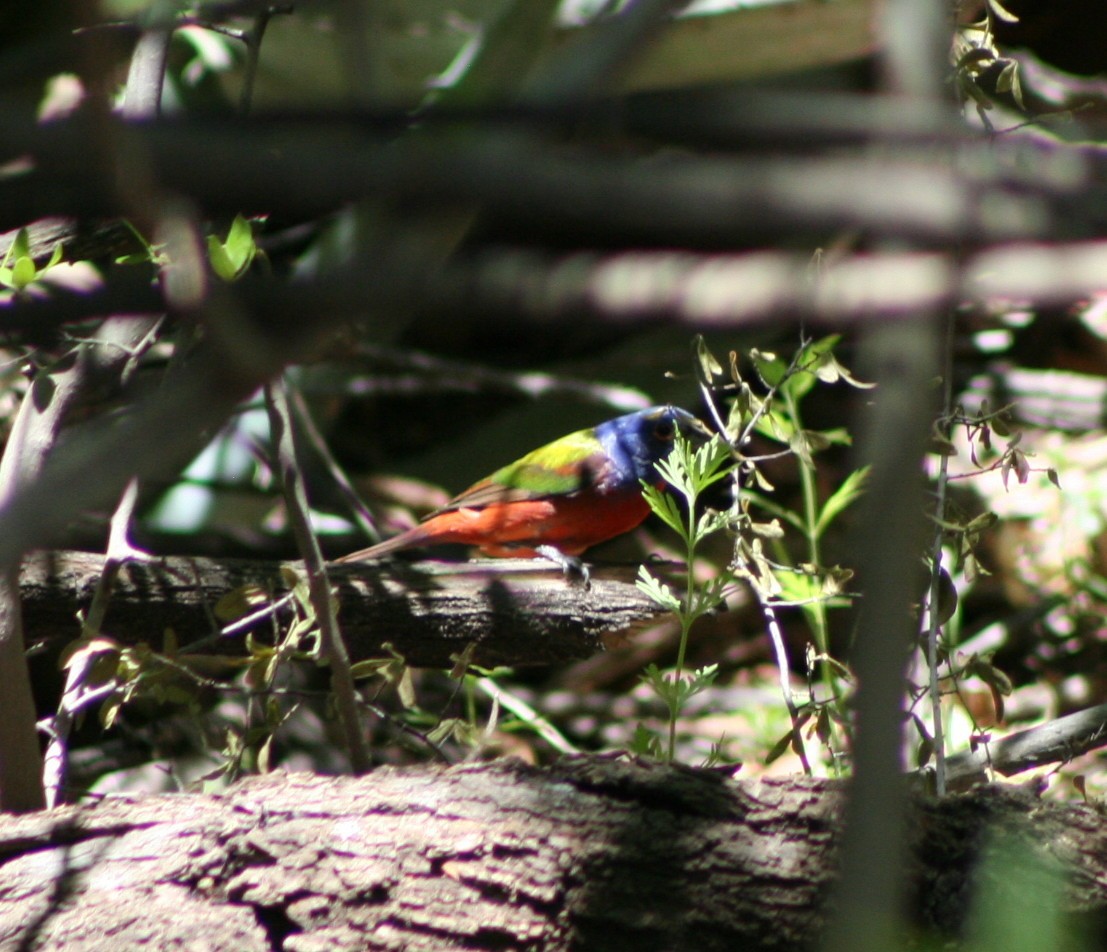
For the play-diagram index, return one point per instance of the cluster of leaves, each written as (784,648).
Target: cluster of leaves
(768,406)
(767,534)
(689,472)
(980,70)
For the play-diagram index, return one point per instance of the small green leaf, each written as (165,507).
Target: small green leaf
(55,257)
(708,366)
(21,247)
(664,506)
(775,426)
(770,368)
(23,272)
(240,244)
(221,262)
(659,592)
(645,743)
(852,487)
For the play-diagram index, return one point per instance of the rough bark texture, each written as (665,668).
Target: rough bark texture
(588,854)
(518,612)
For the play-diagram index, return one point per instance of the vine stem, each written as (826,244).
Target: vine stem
(688,616)
(817,614)
(934,687)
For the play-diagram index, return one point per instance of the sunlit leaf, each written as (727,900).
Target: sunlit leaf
(851,488)
(23,273)
(708,366)
(657,591)
(240,602)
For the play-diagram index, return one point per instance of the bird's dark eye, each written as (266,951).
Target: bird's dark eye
(664,430)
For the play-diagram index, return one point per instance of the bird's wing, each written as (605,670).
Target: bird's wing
(565,466)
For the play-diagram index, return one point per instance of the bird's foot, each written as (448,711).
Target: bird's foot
(573,567)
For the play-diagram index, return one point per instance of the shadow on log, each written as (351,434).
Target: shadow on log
(587,854)
(517,612)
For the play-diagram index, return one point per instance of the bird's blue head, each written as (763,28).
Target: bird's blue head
(635,443)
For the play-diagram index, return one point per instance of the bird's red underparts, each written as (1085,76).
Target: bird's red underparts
(571,524)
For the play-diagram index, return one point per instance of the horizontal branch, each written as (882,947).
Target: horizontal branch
(1055,742)
(309,168)
(585,854)
(510,284)
(514,612)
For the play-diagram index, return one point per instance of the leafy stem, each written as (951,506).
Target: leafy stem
(688,472)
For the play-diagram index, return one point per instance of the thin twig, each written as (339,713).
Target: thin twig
(527,714)
(357,509)
(783,671)
(252,39)
(333,647)
(936,571)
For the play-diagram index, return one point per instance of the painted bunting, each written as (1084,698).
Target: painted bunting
(560,499)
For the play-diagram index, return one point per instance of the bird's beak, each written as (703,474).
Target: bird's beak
(696,430)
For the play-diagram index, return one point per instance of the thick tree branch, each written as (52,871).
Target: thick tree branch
(509,284)
(518,612)
(702,200)
(586,854)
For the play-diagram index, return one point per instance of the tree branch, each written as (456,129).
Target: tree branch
(519,612)
(586,854)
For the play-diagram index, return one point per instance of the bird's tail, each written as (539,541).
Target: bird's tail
(405,540)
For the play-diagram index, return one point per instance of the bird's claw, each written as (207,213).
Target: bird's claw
(573,567)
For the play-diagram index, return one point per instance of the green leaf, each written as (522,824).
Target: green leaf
(710,463)
(796,586)
(775,426)
(23,272)
(770,368)
(240,244)
(702,679)
(230,258)
(818,359)
(773,508)
(852,487)
(658,591)
(664,506)
(708,366)
(55,257)
(645,743)
(221,262)
(800,444)
(21,247)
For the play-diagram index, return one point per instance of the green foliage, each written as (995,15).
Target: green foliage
(148,253)
(976,57)
(18,269)
(232,257)
(768,406)
(689,472)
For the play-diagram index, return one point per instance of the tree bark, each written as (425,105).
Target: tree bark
(585,854)
(514,612)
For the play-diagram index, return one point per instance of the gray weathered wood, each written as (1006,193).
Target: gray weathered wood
(518,612)
(587,854)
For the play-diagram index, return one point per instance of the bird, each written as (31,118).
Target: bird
(560,499)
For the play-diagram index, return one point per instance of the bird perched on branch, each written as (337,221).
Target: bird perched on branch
(560,499)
